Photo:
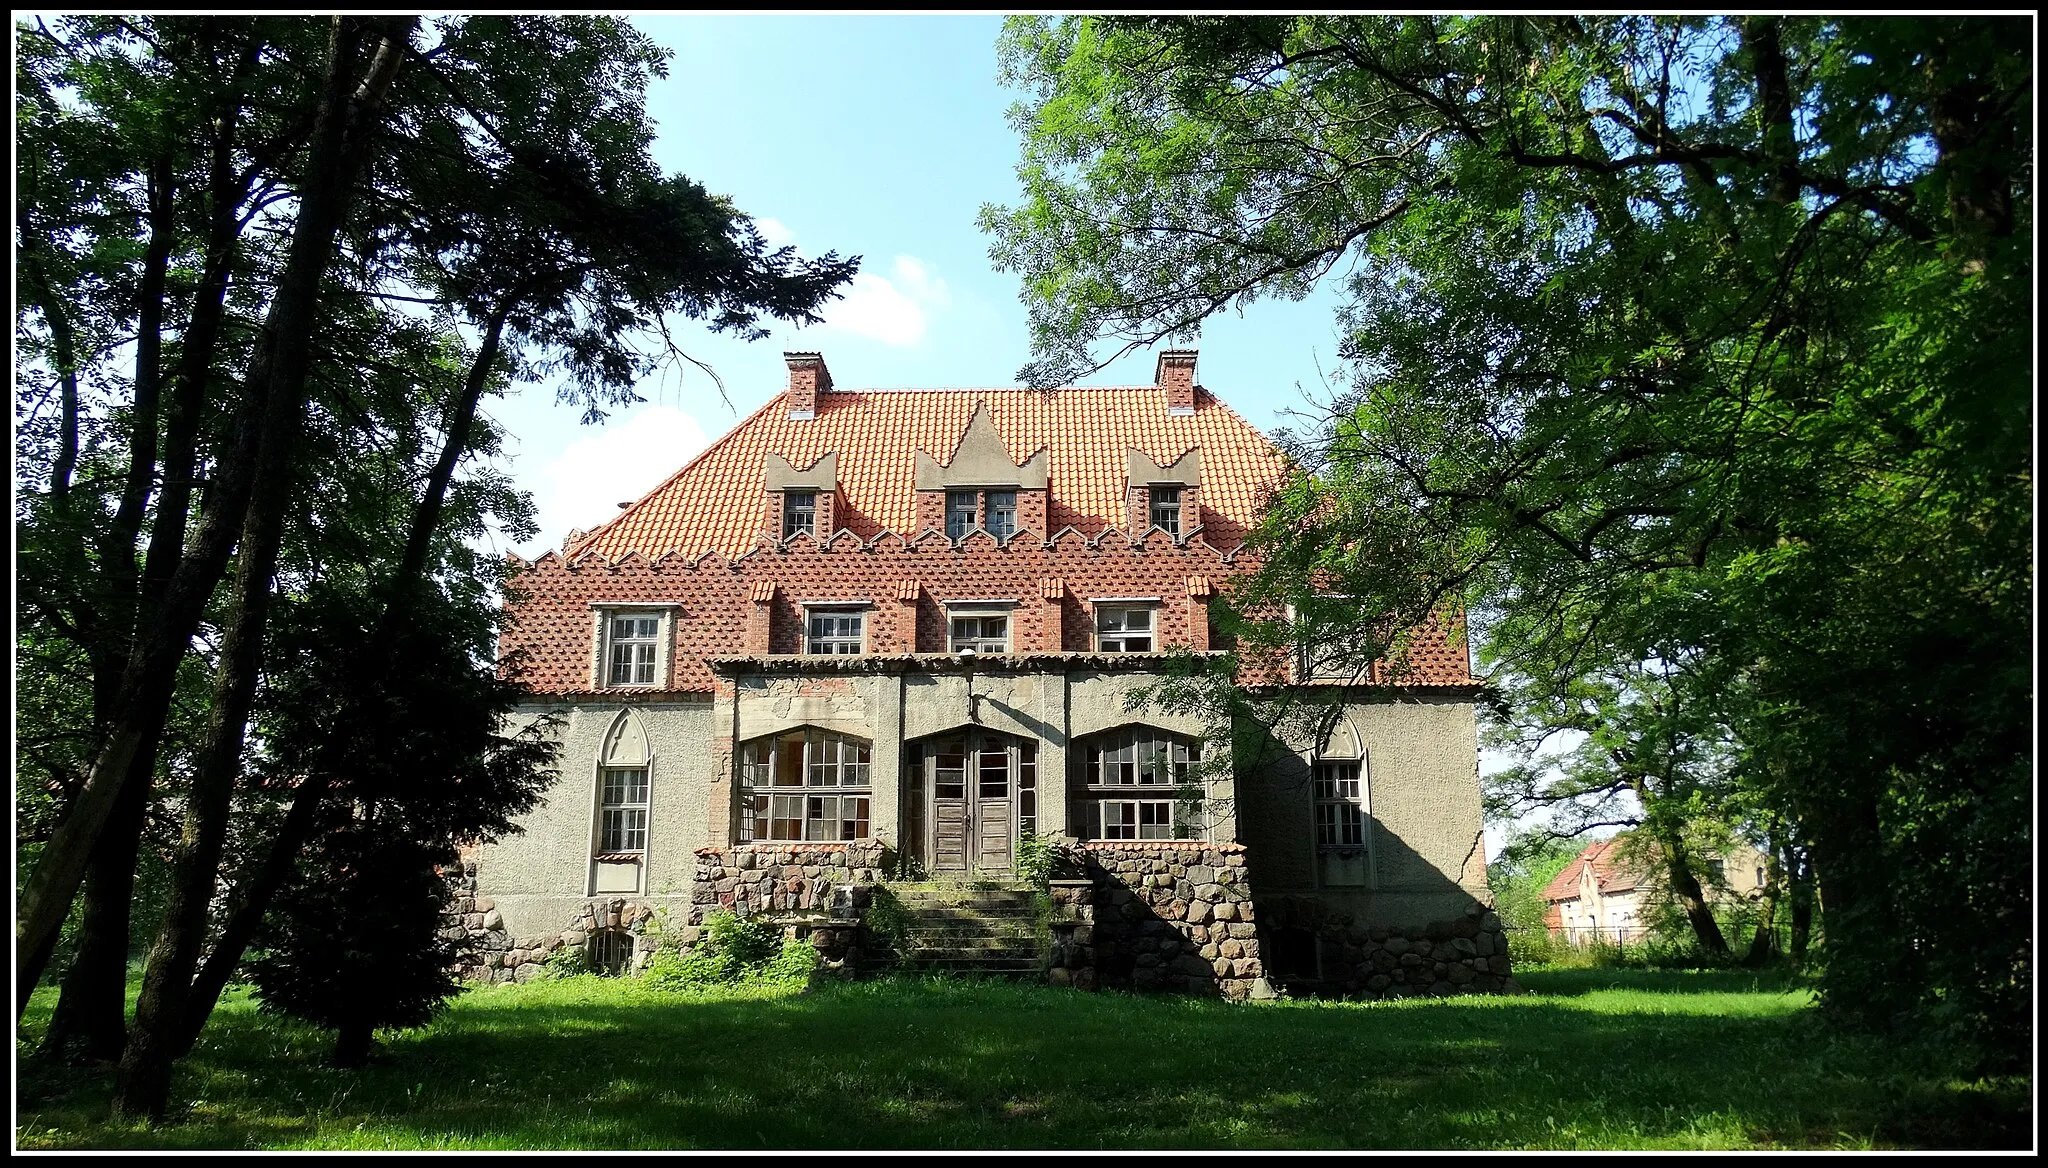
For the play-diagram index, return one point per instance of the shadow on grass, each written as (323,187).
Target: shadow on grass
(930,1064)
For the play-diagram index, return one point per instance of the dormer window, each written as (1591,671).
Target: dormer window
(1166,509)
(799,513)
(1002,514)
(635,643)
(960,513)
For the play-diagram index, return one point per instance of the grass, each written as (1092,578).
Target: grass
(1590,1059)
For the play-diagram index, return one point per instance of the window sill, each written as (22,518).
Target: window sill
(618,857)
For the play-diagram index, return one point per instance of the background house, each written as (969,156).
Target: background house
(1604,893)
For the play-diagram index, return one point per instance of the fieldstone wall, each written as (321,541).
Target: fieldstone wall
(492,954)
(1171,915)
(1467,954)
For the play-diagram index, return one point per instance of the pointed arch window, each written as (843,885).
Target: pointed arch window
(1343,811)
(621,832)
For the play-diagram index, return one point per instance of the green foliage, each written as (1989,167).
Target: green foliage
(1036,855)
(568,961)
(1687,354)
(886,921)
(355,941)
(734,950)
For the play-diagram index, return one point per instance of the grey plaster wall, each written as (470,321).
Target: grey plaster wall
(1421,765)
(540,878)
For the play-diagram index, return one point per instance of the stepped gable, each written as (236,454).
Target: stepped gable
(1087,433)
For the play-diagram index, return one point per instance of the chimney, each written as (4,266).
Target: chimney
(1177,377)
(808,378)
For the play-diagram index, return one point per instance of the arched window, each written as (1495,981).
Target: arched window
(1136,783)
(804,785)
(619,843)
(1343,809)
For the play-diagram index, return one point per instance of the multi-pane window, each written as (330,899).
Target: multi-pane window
(983,634)
(960,518)
(1027,788)
(622,811)
(635,644)
(1138,784)
(799,513)
(1002,514)
(1123,630)
(807,785)
(1342,842)
(1166,509)
(833,631)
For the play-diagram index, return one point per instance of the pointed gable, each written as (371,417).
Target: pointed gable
(1080,439)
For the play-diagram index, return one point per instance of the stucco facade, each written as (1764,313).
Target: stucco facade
(804,706)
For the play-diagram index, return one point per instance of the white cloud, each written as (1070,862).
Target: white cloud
(775,232)
(892,309)
(616,463)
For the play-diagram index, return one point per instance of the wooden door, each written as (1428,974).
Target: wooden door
(952,837)
(993,823)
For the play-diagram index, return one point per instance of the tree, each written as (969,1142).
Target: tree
(334,243)
(1730,304)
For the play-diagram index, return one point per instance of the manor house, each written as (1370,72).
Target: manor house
(883,637)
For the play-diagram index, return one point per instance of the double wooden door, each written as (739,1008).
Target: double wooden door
(967,792)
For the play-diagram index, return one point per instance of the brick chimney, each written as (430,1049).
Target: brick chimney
(1177,377)
(808,380)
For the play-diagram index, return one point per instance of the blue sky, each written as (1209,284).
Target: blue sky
(877,136)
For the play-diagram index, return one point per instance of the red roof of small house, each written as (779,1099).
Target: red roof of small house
(1611,873)
(713,504)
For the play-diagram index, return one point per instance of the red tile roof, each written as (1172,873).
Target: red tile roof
(1611,872)
(715,503)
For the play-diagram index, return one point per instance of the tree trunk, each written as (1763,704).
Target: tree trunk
(1687,888)
(274,398)
(91,1020)
(1765,942)
(157,1039)
(146,1064)
(301,819)
(352,1045)
(1800,892)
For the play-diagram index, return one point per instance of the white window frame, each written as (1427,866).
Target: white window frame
(604,632)
(1008,526)
(1115,640)
(1156,509)
(789,531)
(834,768)
(1125,777)
(978,611)
(1343,823)
(632,840)
(835,640)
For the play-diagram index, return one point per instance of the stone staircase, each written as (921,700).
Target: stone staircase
(968,929)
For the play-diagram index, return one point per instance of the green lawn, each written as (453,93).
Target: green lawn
(1589,1059)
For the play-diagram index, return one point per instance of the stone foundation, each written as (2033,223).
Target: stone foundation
(1172,915)
(493,954)
(1467,954)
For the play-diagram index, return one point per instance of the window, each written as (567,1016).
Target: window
(960,513)
(799,512)
(1002,514)
(831,631)
(805,785)
(622,819)
(1138,784)
(635,641)
(1759,877)
(1123,630)
(1342,844)
(610,951)
(1717,871)
(983,634)
(1166,509)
